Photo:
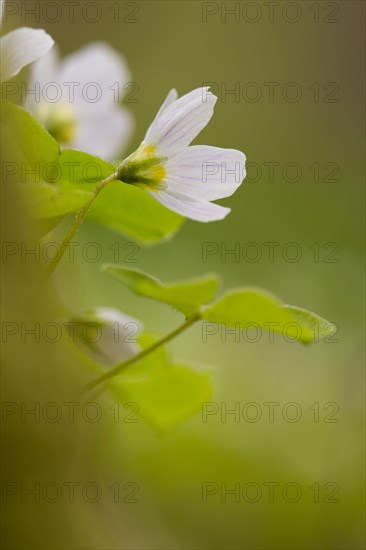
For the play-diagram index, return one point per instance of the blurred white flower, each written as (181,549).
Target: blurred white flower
(20,47)
(106,335)
(78,99)
(185,179)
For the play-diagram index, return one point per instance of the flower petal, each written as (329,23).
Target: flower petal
(202,211)
(100,74)
(170,98)
(105,135)
(21,47)
(116,339)
(176,125)
(204,172)
(44,70)
(2,6)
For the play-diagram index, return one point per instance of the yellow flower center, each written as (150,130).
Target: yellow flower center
(149,150)
(59,121)
(144,168)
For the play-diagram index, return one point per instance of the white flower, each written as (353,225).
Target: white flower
(21,47)
(185,179)
(106,335)
(79,98)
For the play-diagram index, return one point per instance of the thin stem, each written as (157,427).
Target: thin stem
(117,369)
(78,221)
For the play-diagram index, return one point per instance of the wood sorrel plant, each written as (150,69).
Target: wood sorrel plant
(182,178)
(147,196)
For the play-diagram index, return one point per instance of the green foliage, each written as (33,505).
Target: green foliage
(129,210)
(166,398)
(24,139)
(51,181)
(82,170)
(165,394)
(239,308)
(46,201)
(245,306)
(186,296)
(153,363)
(57,183)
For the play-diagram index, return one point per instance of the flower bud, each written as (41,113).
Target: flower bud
(105,334)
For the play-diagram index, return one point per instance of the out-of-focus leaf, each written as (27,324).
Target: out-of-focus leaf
(25,140)
(82,170)
(186,296)
(46,201)
(129,210)
(167,398)
(34,157)
(245,307)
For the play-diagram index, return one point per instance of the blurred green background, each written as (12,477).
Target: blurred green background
(168,46)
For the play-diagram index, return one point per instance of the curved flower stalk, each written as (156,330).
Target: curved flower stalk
(185,179)
(106,335)
(81,110)
(20,47)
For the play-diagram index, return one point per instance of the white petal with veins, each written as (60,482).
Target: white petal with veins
(21,47)
(181,121)
(206,172)
(202,211)
(182,178)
